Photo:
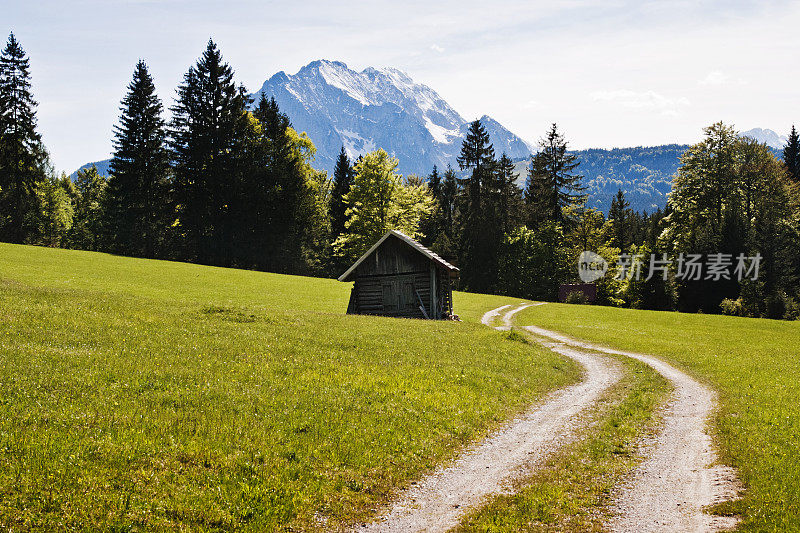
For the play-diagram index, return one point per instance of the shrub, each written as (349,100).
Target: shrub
(732,307)
(792,309)
(576,297)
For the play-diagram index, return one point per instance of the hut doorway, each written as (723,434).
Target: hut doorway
(399,295)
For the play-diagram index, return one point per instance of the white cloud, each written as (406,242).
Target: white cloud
(532,104)
(715,77)
(647,100)
(436,48)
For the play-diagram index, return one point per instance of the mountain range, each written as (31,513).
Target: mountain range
(384,108)
(378,108)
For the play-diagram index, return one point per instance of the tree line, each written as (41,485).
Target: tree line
(227,181)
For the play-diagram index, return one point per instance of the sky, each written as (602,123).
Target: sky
(611,73)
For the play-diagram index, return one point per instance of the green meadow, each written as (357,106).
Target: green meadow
(140,395)
(148,395)
(754,364)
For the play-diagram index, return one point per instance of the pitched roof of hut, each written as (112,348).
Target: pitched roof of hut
(408,240)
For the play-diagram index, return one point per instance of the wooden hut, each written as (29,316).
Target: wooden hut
(400,277)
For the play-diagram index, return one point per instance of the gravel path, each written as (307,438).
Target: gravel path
(489,316)
(490,467)
(679,476)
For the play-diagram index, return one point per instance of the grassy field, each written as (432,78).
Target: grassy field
(755,366)
(148,395)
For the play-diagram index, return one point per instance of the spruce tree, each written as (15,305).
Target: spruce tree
(552,181)
(342,181)
(479,240)
(477,155)
(442,240)
(139,207)
(431,225)
(23,160)
(435,183)
(620,215)
(288,189)
(205,138)
(509,196)
(449,195)
(791,155)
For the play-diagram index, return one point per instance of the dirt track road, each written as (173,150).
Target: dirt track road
(666,493)
(439,500)
(679,476)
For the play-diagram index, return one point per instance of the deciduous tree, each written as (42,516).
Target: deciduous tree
(379,201)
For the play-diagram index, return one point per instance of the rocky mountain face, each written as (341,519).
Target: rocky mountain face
(377,108)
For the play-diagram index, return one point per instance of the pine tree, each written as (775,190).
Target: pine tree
(479,233)
(289,193)
(510,198)
(23,160)
(435,183)
(431,226)
(206,133)
(139,207)
(791,155)
(619,214)
(442,238)
(552,181)
(342,181)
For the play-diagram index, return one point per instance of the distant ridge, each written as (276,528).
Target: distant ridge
(103,168)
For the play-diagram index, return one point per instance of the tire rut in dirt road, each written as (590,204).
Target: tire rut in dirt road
(489,316)
(437,502)
(679,476)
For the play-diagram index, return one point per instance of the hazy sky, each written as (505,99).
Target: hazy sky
(611,73)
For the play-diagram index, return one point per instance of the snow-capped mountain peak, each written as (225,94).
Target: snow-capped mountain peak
(376,108)
(766,136)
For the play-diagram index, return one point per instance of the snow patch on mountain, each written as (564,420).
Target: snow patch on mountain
(440,133)
(354,144)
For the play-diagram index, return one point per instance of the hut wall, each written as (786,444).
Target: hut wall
(394,281)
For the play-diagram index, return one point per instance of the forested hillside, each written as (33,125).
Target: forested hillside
(643,173)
